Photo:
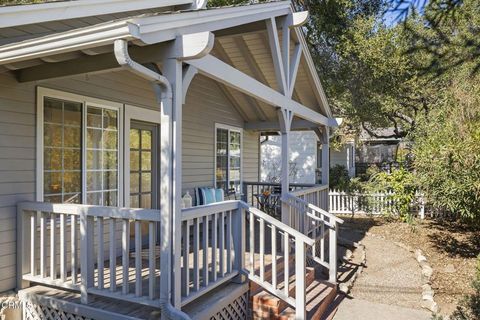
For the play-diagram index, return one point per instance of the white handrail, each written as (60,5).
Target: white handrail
(280,225)
(317,188)
(315,208)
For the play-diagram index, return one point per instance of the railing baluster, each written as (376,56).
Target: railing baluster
(138,258)
(322,242)
(274,257)
(63,250)
(229,242)
(252,244)
(73,247)
(151,259)
(33,249)
(113,255)
(300,296)
(186,260)
(214,246)
(205,251)
(222,244)
(286,262)
(196,258)
(262,249)
(100,254)
(53,254)
(125,254)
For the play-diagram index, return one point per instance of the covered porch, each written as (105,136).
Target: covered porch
(252,63)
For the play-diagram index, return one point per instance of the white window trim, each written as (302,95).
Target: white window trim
(43,92)
(232,128)
(139,114)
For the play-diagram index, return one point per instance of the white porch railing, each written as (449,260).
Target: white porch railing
(87,249)
(318,224)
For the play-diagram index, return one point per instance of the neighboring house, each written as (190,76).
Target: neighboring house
(376,151)
(110,112)
(305,163)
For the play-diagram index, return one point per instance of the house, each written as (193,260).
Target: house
(111,111)
(305,161)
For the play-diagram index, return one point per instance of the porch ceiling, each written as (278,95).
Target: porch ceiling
(241,41)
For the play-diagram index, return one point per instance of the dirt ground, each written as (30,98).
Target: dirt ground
(451,249)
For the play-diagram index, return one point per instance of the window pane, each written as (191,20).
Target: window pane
(72,198)
(134,139)
(94,159)
(110,180)
(110,198)
(52,110)
(146,160)
(234,137)
(146,182)
(52,135)
(134,182)
(94,180)
(73,113)
(52,159)
(72,159)
(72,182)
(135,160)
(53,199)
(94,117)
(72,136)
(146,200)
(94,198)
(134,203)
(110,140)
(52,182)
(110,160)
(146,140)
(94,138)
(109,119)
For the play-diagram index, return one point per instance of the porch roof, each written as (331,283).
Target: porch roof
(240,41)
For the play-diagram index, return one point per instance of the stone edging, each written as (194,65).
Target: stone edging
(427,271)
(345,287)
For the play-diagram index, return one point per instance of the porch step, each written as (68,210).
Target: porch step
(266,304)
(320,295)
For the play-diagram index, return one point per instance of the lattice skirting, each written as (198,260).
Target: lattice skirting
(40,312)
(235,310)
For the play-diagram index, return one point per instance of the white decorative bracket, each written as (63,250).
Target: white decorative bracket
(193,46)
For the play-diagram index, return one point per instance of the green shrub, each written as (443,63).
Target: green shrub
(401,183)
(339,178)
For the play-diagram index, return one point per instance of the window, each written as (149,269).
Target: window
(228,159)
(79,137)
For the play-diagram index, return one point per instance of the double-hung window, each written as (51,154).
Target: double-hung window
(81,151)
(228,171)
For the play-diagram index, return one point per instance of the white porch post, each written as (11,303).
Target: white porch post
(285,119)
(172,69)
(325,155)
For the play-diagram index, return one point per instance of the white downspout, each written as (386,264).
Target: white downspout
(163,91)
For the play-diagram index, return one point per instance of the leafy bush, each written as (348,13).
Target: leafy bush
(447,151)
(401,183)
(339,178)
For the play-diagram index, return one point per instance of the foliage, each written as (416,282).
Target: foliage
(338,177)
(401,183)
(447,150)
(469,307)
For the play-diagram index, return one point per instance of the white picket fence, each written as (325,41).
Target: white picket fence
(341,202)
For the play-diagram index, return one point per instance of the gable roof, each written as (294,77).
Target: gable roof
(149,29)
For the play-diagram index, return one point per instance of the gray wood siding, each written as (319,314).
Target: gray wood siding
(205,106)
(17,166)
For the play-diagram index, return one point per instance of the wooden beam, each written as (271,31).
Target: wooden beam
(251,102)
(286,50)
(224,73)
(251,62)
(295,63)
(276,54)
(298,124)
(189,72)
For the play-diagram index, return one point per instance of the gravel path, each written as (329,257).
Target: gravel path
(391,277)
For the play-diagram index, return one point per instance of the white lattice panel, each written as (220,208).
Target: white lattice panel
(236,310)
(38,312)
